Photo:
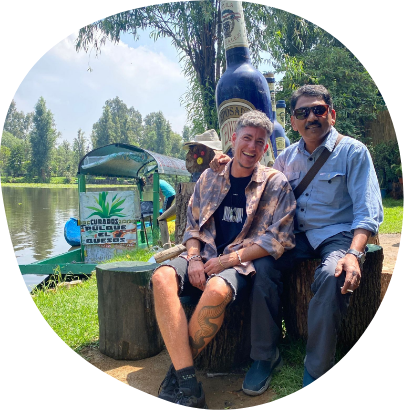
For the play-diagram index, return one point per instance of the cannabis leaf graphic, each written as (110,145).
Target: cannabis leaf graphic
(104,210)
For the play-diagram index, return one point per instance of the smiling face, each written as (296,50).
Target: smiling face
(313,129)
(249,145)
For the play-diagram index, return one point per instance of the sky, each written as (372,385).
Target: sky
(145,74)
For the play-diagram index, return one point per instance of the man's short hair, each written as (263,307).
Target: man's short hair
(256,119)
(310,90)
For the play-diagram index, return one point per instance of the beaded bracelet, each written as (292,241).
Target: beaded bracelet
(239,257)
(221,264)
(195,257)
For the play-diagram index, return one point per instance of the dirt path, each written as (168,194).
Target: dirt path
(221,391)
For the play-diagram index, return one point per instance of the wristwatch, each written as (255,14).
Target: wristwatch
(359,255)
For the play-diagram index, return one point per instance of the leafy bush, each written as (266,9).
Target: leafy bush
(386,159)
(356,97)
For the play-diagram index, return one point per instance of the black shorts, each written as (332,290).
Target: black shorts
(240,284)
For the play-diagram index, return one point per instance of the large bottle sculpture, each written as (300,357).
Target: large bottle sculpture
(241,87)
(279,132)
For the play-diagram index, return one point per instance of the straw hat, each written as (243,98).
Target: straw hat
(209,139)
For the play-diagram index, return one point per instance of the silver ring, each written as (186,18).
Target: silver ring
(349,290)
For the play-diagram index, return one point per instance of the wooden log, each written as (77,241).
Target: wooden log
(164,235)
(127,323)
(169,253)
(230,348)
(363,304)
(167,213)
(182,197)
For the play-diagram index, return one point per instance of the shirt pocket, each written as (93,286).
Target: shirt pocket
(293,178)
(330,188)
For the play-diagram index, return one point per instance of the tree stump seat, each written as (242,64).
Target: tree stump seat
(363,305)
(230,348)
(127,321)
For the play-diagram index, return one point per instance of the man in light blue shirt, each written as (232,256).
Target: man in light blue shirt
(335,215)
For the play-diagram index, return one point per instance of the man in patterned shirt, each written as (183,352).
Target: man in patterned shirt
(238,215)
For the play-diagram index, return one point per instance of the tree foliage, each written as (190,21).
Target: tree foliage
(196,32)
(80,147)
(17,123)
(118,123)
(4,157)
(356,97)
(16,159)
(43,138)
(386,159)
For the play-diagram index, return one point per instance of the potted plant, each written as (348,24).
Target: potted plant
(386,160)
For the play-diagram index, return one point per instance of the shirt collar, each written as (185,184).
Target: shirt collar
(329,141)
(257,175)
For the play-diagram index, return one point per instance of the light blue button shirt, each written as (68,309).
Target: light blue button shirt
(343,196)
(166,188)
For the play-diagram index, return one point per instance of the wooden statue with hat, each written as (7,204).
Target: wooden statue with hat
(201,152)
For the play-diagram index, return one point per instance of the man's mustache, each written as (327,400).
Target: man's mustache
(309,124)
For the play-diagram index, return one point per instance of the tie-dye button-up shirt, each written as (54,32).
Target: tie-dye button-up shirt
(270,207)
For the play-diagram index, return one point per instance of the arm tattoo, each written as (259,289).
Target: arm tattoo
(207,329)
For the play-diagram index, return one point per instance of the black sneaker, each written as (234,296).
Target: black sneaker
(184,398)
(169,385)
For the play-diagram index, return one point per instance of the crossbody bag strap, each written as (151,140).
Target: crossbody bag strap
(304,183)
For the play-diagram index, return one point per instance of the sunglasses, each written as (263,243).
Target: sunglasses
(318,110)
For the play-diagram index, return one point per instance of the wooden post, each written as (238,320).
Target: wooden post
(81,186)
(156,206)
(127,323)
(162,219)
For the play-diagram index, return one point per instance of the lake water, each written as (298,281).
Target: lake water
(36,219)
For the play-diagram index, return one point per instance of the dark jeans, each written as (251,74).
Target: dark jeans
(326,307)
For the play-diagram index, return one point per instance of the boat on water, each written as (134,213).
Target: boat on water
(110,222)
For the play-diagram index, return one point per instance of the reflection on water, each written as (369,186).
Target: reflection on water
(36,219)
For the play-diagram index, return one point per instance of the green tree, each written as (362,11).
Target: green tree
(355,95)
(118,123)
(196,32)
(157,134)
(186,134)
(17,123)
(4,158)
(80,147)
(15,164)
(62,160)
(15,154)
(176,146)
(42,138)
(8,139)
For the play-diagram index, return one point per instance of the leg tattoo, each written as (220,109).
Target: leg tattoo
(208,329)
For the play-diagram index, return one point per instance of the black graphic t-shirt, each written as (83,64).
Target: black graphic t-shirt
(231,214)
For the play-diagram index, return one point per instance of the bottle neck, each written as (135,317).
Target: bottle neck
(234,32)
(237,56)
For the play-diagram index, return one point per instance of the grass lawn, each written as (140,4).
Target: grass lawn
(393,216)
(72,313)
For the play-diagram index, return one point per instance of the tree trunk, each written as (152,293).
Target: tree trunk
(182,197)
(363,304)
(127,323)
(230,348)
